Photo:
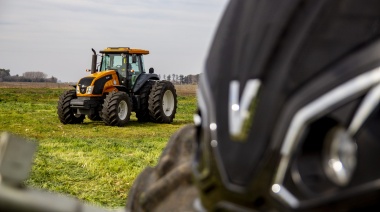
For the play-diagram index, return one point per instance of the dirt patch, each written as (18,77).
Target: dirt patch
(35,85)
(185,90)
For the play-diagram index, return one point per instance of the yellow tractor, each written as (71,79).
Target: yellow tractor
(115,88)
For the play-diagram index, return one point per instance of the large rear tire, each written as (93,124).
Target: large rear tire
(117,108)
(163,102)
(142,113)
(65,114)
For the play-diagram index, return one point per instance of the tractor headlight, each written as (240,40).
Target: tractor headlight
(89,89)
(340,156)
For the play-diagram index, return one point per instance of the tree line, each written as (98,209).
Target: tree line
(30,76)
(38,76)
(180,79)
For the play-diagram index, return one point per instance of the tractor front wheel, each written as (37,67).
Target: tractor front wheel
(163,102)
(65,114)
(117,108)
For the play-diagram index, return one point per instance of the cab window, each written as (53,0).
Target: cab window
(135,65)
(115,62)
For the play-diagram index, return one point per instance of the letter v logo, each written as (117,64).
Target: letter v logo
(241,112)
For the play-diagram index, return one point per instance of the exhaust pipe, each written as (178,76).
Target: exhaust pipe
(93,63)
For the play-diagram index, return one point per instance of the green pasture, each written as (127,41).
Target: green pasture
(91,161)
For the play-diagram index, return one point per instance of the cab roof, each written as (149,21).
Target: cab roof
(124,50)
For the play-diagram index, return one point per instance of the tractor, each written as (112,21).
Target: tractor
(116,87)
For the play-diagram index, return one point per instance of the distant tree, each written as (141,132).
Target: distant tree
(181,79)
(186,80)
(197,78)
(190,79)
(168,78)
(173,77)
(4,73)
(53,79)
(35,76)
(164,77)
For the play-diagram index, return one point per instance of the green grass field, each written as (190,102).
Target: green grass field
(91,161)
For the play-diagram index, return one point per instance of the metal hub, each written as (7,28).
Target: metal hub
(122,109)
(168,103)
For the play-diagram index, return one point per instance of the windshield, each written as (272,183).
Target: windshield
(115,62)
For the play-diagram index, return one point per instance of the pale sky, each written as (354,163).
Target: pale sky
(56,36)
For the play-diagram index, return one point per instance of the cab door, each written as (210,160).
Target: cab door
(134,68)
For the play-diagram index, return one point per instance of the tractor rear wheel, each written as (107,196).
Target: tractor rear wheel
(117,108)
(65,114)
(142,113)
(163,102)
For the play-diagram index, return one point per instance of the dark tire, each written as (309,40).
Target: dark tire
(117,108)
(163,102)
(167,186)
(65,114)
(94,116)
(143,113)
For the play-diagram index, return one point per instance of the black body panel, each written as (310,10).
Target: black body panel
(141,79)
(86,103)
(99,84)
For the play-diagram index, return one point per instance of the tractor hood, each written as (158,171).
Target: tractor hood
(97,83)
(97,75)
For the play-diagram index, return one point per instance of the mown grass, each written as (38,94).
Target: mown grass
(91,161)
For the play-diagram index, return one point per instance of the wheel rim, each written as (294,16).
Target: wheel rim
(168,103)
(122,110)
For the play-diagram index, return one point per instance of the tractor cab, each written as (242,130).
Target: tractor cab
(128,63)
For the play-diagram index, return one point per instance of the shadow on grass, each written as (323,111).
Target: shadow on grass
(137,123)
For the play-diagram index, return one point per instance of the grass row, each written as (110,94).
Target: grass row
(91,161)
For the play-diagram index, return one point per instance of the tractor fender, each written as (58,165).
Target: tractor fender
(142,79)
(121,88)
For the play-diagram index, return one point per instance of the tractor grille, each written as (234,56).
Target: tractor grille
(84,83)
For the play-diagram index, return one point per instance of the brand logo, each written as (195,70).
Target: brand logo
(241,110)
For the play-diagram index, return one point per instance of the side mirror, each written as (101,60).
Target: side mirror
(151,70)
